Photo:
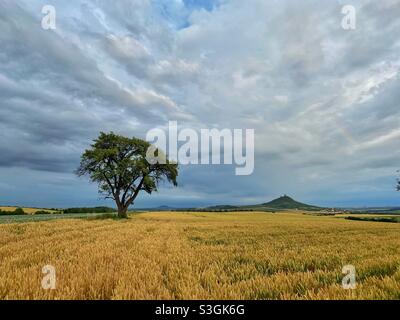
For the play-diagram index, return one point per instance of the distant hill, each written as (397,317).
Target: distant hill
(286,202)
(282,203)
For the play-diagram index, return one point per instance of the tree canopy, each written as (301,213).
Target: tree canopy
(118,165)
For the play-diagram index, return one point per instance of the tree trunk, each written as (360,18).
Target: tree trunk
(122,212)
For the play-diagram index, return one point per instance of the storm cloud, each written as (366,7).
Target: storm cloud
(323,101)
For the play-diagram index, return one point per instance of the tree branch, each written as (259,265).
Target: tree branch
(127,190)
(133,197)
(109,184)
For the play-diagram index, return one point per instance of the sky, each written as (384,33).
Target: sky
(323,101)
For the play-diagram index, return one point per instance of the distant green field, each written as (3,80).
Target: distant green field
(384,218)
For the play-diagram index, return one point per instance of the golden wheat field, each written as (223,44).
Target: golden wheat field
(164,255)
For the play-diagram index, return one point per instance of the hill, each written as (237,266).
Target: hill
(282,203)
(286,202)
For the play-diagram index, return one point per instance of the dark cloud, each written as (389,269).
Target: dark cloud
(323,101)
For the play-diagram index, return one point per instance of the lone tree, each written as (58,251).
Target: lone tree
(119,166)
